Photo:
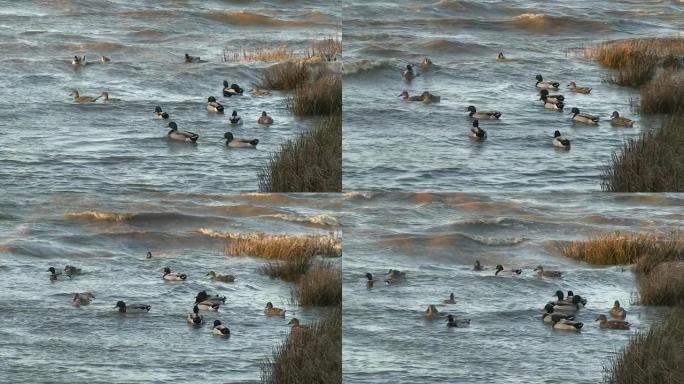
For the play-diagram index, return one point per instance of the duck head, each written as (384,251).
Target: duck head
(149,255)
(556,134)
(264,114)
(369,276)
(601,318)
(157,109)
(575,111)
(173,126)
(472,109)
(543,94)
(539,78)
(234,114)
(225,83)
(211,99)
(477,264)
(500,56)
(404,94)
(228,136)
(294,321)
(570,294)
(211,273)
(201,296)
(52,270)
(616,304)
(450,318)
(451,296)
(615,115)
(409,67)
(269,305)
(549,308)
(167,270)
(539,267)
(195,310)
(187,57)
(499,267)
(121,305)
(572,84)
(217,323)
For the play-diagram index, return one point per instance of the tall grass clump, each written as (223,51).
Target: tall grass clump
(310,163)
(653,356)
(653,162)
(321,286)
(312,355)
(664,285)
(664,94)
(286,76)
(322,97)
(291,269)
(612,249)
(285,247)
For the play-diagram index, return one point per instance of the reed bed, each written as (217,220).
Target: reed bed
(664,94)
(617,248)
(664,286)
(322,97)
(321,286)
(311,355)
(285,76)
(289,270)
(285,247)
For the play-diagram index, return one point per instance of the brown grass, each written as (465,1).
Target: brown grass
(664,94)
(327,49)
(653,162)
(664,285)
(654,356)
(322,97)
(313,355)
(289,270)
(310,163)
(285,76)
(264,54)
(614,248)
(285,247)
(321,286)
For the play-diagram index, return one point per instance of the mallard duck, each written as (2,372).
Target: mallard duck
(203,296)
(408,72)
(568,325)
(149,255)
(474,114)
(213,105)
(297,328)
(560,141)
(234,119)
(546,84)
(500,56)
(510,272)
(565,307)
(175,276)
(239,143)
(82,298)
(543,273)
(617,311)
(260,92)
(476,132)
(583,117)
(54,275)
(430,98)
(574,88)
(546,97)
(272,311)
(618,121)
(192,59)
(431,312)
(224,278)
(220,329)
(132,308)
(571,298)
(83,99)
(159,114)
(457,323)
(405,96)
(550,317)
(70,270)
(230,90)
(394,276)
(477,266)
(104,59)
(175,134)
(208,306)
(265,118)
(369,280)
(612,324)
(77,61)
(426,63)
(557,105)
(108,99)
(451,299)
(194,318)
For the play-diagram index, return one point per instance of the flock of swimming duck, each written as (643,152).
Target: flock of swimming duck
(203,301)
(560,313)
(549,101)
(212,106)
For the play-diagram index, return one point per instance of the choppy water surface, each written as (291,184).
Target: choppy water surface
(390,144)
(45,339)
(436,239)
(50,143)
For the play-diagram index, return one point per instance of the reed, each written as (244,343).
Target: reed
(310,163)
(664,285)
(321,286)
(312,355)
(291,269)
(653,162)
(285,76)
(612,248)
(322,97)
(664,94)
(285,247)
(328,49)
(652,356)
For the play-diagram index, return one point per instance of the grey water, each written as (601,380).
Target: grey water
(436,238)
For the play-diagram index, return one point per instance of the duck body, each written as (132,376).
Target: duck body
(260,92)
(408,73)
(406,97)
(612,324)
(476,132)
(220,329)
(584,118)
(542,273)
(431,312)
(617,311)
(223,278)
(451,299)
(159,114)
(132,308)
(428,97)
(192,59)
(105,59)
(83,298)
(213,105)
(426,63)
(395,276)
(233,142)
(70,270)
(560,141)
(500,271)
(568,325)
(270,310)
(83,99)
(546,84)
(490,115)
(175,134)
(194,318)
(208,306)
(232,89)
(555,105)
(235,119)
(477,266)
(78,61)
(173,276)
(618,121)
(574,88)
(55,275)
(457,323)
(265,119)
(552,98)
(107,99)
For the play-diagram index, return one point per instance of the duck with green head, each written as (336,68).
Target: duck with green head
(584,118)
(546,84)
(234,142)
(175,134)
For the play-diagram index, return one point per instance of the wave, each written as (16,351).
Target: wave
(100,46)
(448,45)
(354,67)
(453,239)
(541,22)
(136,218)
(148,33)
(320,219)
(254,19)
(382,51)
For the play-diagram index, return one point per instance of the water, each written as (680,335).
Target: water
(50,143)
(390,144)
(435,239)
(45,339)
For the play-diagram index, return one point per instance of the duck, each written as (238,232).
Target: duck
(550,317)
(500,56)
(273,311)
(431,312)
(430,98)
(543,273)
(574,88)
(394,276)
(476,132)
(565,307)
(297,327)
(233,142)
(175,276)
(132,308)
(557,105)
(408,73)
(426,63)
(208,306)
(175,134)
(194,318)
(405,96)
(571,297)
(234,119)
(451,299)
(583,117)
(550,97)
(159,114)
(70,270)
(83,99)
(192,59)
(213,105)
(617,311)
(477,266)
(568,325)
(108,99)
(546,84)
(230,90)
(220,329)
(260,92)
(104,59)
(224,278)
(369,280)
(265,118)
(54,275)
(149,255)
(474,114)
(207,303)
(612,324)
(457,323)
(77,61)
(82,299)
(203,296)
(618,121)
(510,272)
(560,141)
